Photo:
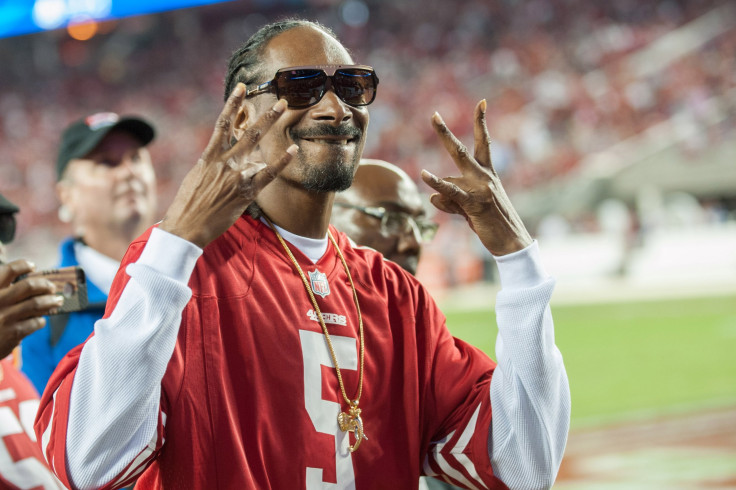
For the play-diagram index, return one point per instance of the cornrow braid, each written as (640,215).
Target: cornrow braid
(245,64)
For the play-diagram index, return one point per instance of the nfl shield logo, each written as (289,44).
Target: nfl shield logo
(319,283)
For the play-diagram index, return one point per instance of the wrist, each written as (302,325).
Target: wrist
(521,269)
(184,232)
(512,246)
(170,254)
(500,247)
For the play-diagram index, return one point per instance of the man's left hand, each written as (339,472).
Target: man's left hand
(477,194)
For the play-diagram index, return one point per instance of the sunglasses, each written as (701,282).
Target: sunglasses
(397,222)
(304,86)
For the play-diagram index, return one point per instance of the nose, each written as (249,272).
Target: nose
(410,240)
(127,167)
(332,109)
(124,169)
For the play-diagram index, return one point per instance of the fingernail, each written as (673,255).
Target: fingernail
(437,118)
(292,150)
(51,286)
(280,106)
(20,266)
(58,300)
(429,175)
(483,106)
(239,89)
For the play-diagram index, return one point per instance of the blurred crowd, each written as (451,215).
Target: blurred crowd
(563,79)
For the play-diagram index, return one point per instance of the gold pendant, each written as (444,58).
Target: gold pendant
(351,422)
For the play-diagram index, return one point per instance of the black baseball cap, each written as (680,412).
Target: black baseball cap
(7,207)
(81,137)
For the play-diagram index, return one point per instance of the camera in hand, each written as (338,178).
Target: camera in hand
(71,284)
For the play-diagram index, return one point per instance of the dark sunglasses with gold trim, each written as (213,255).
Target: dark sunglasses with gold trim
(304,86)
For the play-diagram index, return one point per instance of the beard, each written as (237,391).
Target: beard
(332,176)
(335,173)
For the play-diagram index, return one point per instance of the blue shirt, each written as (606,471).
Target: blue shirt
(42,350)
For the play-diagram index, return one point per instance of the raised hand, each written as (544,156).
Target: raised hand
(23,304)
(477,194)
(224,182)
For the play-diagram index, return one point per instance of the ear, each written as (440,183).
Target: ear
(63,192)
(243,119)
(246,116)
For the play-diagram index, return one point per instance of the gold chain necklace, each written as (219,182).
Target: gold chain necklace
(350,420)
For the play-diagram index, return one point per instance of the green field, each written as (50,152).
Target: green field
(625,359)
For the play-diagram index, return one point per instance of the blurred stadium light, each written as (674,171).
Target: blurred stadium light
(19,17)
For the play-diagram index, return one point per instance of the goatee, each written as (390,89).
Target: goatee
(335,174)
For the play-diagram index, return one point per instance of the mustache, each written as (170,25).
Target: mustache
(351,132)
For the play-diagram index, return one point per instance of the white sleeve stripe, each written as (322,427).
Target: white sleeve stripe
(464,438)
(453,473)
(46,437)
(445,466)
(470,468)
(139,463)
(437,447)
(457,454)
(462,443)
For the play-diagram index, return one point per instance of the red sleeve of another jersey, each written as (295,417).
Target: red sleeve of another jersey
(457,405)
(53,412)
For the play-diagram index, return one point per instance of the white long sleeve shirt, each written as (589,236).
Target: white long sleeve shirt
(113,418)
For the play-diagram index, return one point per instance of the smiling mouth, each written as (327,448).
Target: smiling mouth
(330,140)
(129,193)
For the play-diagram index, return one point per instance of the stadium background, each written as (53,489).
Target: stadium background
(613,128)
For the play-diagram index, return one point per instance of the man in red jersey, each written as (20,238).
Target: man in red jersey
(22,307)
(261,350)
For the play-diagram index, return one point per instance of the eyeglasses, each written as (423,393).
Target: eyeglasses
(304,86)
(397,222)
(7,227)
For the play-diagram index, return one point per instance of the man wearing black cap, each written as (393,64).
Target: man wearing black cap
(22,306)
(106,185)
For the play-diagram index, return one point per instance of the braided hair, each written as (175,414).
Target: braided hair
(245,64)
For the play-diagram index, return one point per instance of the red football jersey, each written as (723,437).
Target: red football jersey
(250,397)
(22,464)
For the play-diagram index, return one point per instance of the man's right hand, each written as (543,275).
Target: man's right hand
(215,193)
(23,304)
